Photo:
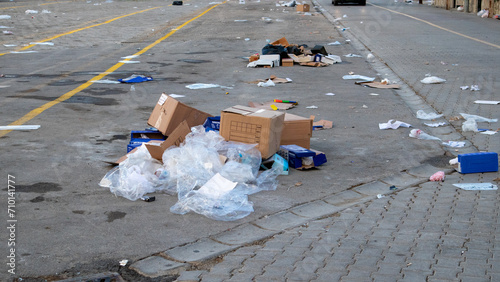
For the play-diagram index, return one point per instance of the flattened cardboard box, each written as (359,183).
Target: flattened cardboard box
(253,126)
(168,113)
(297,130)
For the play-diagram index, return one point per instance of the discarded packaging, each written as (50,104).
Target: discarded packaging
(478,162)
(437,124)
(474,88)
(335,43)
(107,81)
(135,79)
(427,116)
(438,176)
(356,76)
(353,56)
(455,144)
(253,126)
(487,102)
(297,130)
(478,118)
(419,134)
(432,80)
(391,124)
(4,17)
(202,86)
(469,125)
(476,186)
(268,83)
(19,127)
(376,84)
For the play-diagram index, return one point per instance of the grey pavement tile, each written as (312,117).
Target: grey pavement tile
(373,188)
(381,277)
(423,255)
(365,263)
(247,250)
(199,250)
(419,264)
(328,276)
(243,234)
(284,262)
(403,180)
(415,275)
(315,209)
(156,266)
(275,270)
(190,276)
(213,278)
(280,221)
(426,170)
(344,198)
(387,268)
(474,278)
(476,270)
(446,273)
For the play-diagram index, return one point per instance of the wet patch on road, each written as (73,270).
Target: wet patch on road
(40,187)
(114,215)
(37,199)
(79,212)
(104,91)
(66,82)
(98,101)
(194,61)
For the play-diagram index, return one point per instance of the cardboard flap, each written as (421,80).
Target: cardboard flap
(174,139)
(282,41)
(241,110)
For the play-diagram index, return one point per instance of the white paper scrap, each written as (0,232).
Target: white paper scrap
(22,52)
(476,186)
(393,125)
(353,56)
(311,107)
(455,144)
(489,132)
(217,187)
(478,118)
(437,124)
(361,77)
(423,115)
(202,86)
(330,94)
(42,43)
(334,43)
(19,127)
(487,102)
(130,57)
(176,95)
(130,62)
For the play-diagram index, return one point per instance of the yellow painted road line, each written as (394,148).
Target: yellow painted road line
(83,28)
(437,26)
(66,96)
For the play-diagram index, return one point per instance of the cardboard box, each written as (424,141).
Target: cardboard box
(253,126)
(478,162)
(297,130)
(303,8)
(287,62)
(275,59)
(168,113)
(282,41)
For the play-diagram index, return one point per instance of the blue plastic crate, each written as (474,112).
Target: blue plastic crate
(212,124)
(478,162)
(146,135)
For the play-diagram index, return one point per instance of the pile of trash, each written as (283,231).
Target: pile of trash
(210,176)
(282,53)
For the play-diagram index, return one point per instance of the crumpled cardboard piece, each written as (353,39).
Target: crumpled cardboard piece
(314,64)
(377,84)
(274,79)
(325,124)
(267,105)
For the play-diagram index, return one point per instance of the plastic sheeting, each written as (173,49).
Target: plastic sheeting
(196,173)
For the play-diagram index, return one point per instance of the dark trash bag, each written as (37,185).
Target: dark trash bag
(275,50)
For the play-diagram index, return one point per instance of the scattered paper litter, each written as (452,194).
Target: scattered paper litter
(393,125)
(380,196)
(130,62)
(432,80)
(240,20)
(42,43)
(31,12)
(176,95)
(478,118)
(353,56)
(419,134)
(489,132)
(374,94)
(487,102)
(4,17)
(106,81)
(356,76)
(437,124)
(311,107)
(7,32)
(2,26)
(10,45)
(476,186)
(268,83)
(453,161)
(438,176)
(123,262)
(330,94)
(464,87)
(206,85)
(130,57)
(334,43)
(22,52)
(474,88)
(455,144)
(19,127)
(46,12)
(427,116)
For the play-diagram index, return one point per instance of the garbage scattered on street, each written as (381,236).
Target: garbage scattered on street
(432,80)
(176,95)
(377,84)
(437,124)
(123,262)
(330,94)
(419,134)
(361,77)
(4,17)
(268,83)
(31,12)
(334,43)
(438,176)
(106,81)
(202,86)
(23,52)
(478,162)
(455,144)
(477,118)
(312,107)
(135,79)
(391,124)
(353,56)
(421,114)
(19,127)
(486,102)
(42,43)
(476,186)
(469,125)
(129,62)
(489,132)
(380,196)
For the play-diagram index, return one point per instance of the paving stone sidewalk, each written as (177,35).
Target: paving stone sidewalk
(430,232)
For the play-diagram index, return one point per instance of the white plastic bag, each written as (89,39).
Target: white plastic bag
(427,116)
(478,118)
(469,125)
(419,134)
(432,79)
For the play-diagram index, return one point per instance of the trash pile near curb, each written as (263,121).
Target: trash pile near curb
(214,163)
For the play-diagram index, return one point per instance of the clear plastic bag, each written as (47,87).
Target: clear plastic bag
(469,125)
(134,177)
(419,134)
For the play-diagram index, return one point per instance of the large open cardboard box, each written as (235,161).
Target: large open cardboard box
(253,126)
(297,130)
